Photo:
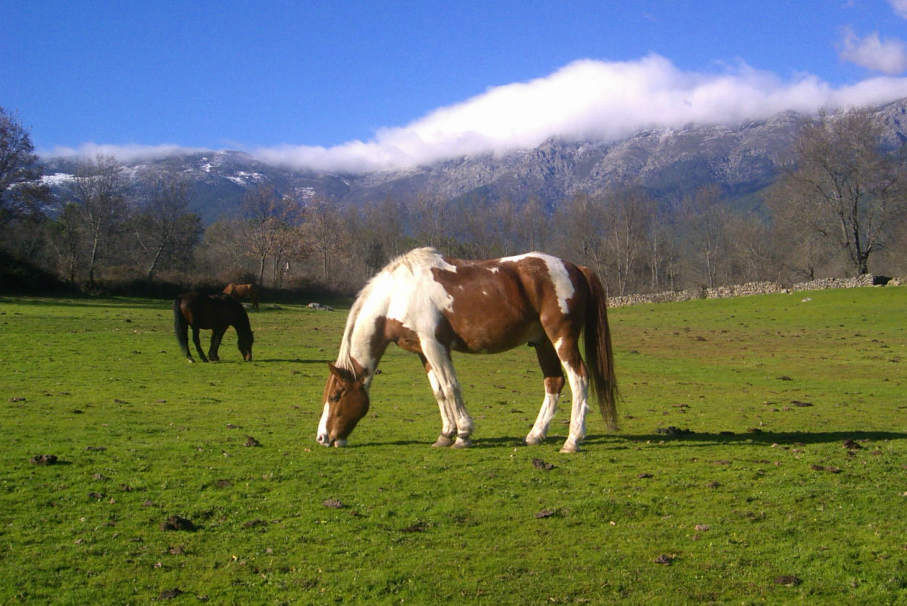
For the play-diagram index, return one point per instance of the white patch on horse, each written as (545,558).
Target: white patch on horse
(406,294)
(557,271)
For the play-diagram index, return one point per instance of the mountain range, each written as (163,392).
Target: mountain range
(742,159)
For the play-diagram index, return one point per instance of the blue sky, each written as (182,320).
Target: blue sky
(362,85)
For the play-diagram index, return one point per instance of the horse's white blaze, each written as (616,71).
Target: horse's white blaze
(322,435)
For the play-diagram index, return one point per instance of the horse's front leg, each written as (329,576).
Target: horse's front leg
(198,344)
(447,391)
(554,383)
(217,336)
(448,426)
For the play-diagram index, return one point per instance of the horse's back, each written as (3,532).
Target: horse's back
(202,310)
(482,305)
(240,291)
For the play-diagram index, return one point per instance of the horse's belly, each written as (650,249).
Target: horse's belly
(482,337)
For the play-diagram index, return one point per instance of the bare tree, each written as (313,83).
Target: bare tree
(23,199)
(66,239)
(100,208)
(578,224)
(844,188)
(325,231)
(627,216)
(380,233)
(19,170)
(164,229)
(269,217)
(431,220)
(533,226)
(705,219)
(223,249)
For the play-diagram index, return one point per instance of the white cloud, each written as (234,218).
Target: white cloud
(899,7)
(587,98)
(888,56)
(123,153)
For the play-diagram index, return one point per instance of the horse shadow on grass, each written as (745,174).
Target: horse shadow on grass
(762,437)
(295,361)
(687,438)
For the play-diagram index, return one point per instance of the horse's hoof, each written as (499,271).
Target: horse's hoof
(190,360)
(462,443)
(533,440)
(442,442)
(570,448)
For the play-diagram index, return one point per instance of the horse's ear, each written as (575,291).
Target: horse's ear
(341,373)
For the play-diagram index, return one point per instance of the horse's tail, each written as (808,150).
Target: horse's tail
(599,353)
(180,325)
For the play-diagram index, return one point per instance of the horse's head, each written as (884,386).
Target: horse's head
(244,342)
(345,402)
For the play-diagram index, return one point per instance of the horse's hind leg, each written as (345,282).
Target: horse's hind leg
(447,391)
(568,352)
(554,383)
(198,344)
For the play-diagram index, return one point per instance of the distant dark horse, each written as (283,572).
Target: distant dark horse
(215,313)
(243,291)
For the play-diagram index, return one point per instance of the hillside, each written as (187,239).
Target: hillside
(742,159)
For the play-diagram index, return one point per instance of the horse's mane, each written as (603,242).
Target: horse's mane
(409,260)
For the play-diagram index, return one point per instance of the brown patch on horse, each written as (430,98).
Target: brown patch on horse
(488,313)
(393,331)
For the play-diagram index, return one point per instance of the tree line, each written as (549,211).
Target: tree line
(837,209)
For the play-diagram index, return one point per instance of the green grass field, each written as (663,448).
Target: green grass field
(762,458)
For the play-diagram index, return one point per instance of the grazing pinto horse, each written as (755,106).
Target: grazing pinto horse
(215,313)
(243,291)
(430,305)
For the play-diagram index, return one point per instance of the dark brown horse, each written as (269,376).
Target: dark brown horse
(243,291)
(215,313)
(431,305)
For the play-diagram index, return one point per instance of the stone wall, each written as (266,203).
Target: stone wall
(752,288)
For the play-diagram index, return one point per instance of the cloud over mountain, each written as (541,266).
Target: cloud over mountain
(605,100)
(124,153)
(602,100)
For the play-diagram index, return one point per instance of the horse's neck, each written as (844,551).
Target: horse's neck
(365,347)
(241,324)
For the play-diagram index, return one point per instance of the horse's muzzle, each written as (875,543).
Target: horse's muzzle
(324,440)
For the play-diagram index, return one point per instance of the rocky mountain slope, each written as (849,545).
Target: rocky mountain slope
(742,159)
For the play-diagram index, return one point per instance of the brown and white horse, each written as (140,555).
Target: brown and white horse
(243,291)
(430,305)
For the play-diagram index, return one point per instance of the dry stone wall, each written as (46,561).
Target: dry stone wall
(753,288)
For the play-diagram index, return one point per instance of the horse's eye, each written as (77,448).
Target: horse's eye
(335,397)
